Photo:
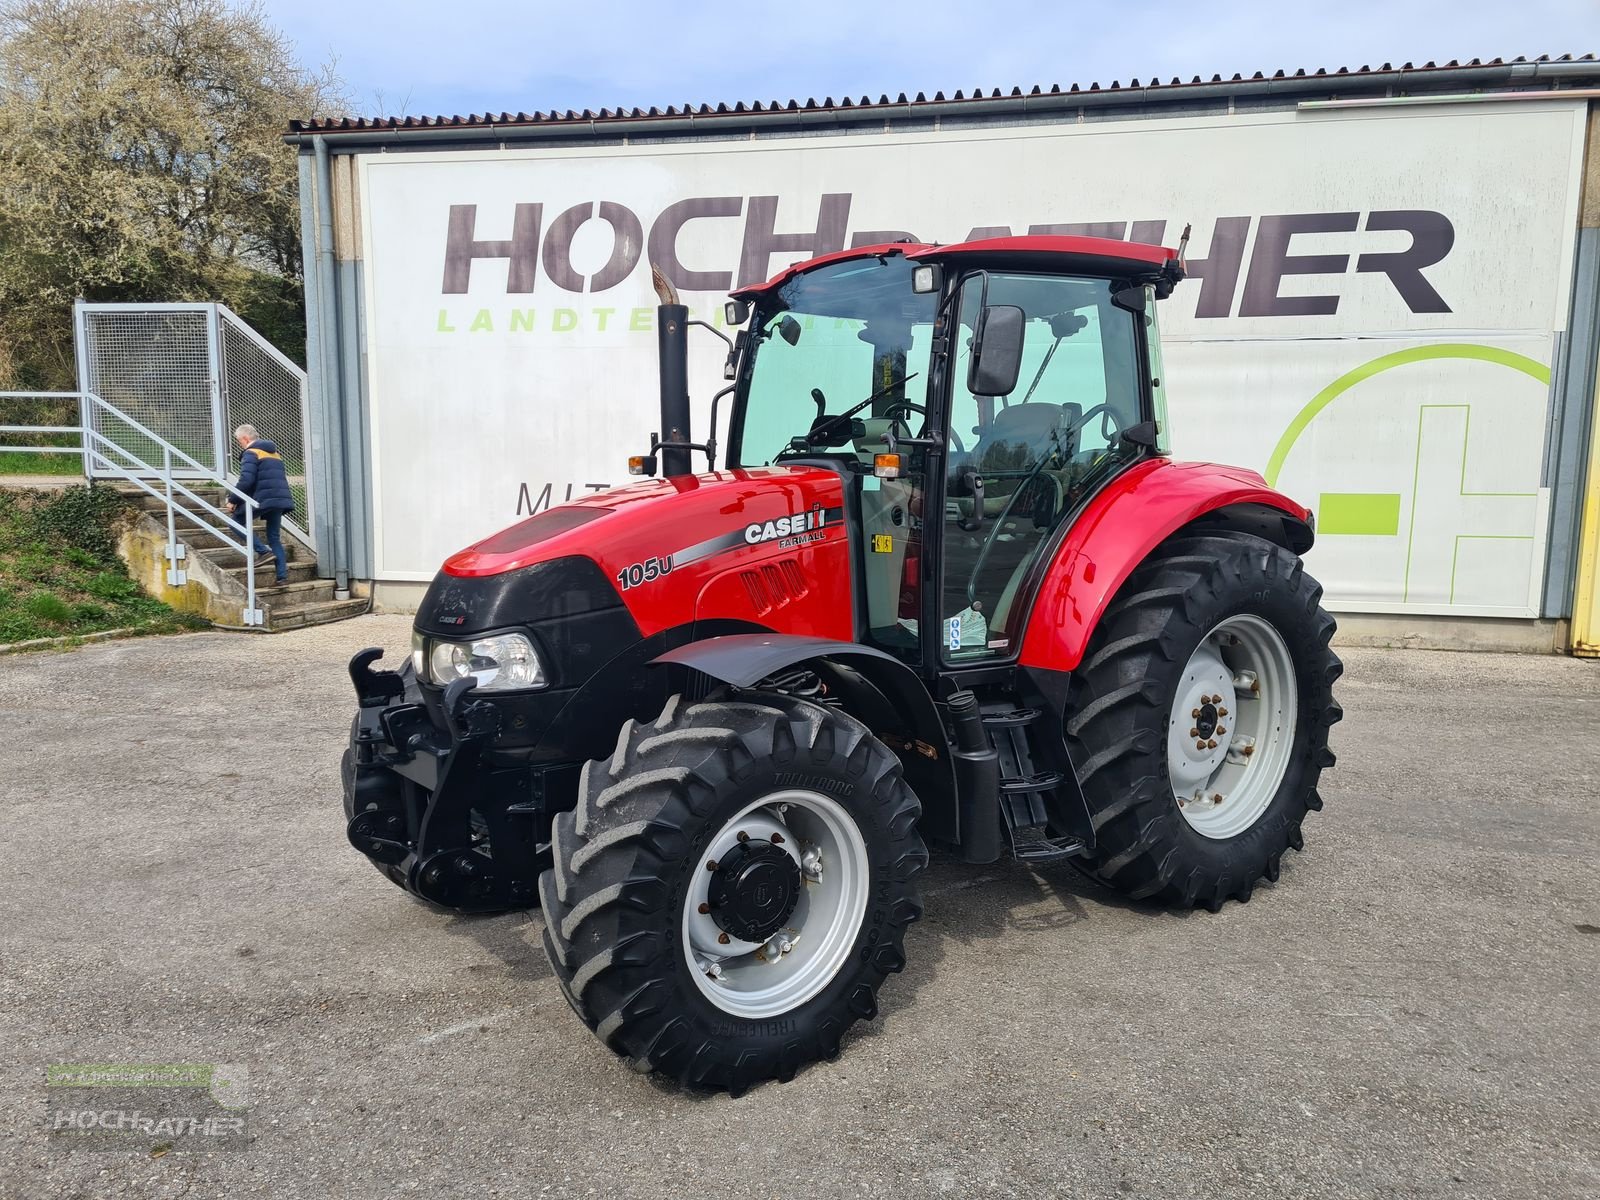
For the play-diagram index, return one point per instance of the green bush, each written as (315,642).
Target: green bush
(59,570)
(108,585)
(47,606)
(81,519)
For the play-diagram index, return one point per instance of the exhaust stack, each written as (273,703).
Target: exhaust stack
(672,345)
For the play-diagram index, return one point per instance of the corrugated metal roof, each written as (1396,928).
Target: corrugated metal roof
(1132,92)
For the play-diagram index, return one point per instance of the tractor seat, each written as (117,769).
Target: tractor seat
(1016,436)
(1026,425)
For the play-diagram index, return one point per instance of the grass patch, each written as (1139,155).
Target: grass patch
(41,410)
(15,462)
(59,571)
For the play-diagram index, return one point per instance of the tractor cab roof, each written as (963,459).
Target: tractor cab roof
(1056,252)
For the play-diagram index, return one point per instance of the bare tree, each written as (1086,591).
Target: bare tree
(141,159)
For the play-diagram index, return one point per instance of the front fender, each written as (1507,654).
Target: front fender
(876,688)
(1125,521)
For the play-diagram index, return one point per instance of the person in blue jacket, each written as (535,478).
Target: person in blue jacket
(262,477)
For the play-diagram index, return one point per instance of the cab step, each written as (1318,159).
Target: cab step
(1034,846)
(1024,786)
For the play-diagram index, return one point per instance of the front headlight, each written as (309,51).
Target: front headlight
(499,663)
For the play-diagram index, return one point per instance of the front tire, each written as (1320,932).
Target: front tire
(1199,720)
(733,888)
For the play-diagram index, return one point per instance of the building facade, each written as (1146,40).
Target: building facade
(1392,310)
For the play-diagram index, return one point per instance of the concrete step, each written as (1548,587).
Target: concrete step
(233,564)
(295,593)
(299,616)
(201,540)
(157,507)
(142,498)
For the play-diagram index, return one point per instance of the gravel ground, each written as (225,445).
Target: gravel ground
(1411,1011)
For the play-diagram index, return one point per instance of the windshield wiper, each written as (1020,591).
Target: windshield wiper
(823,432)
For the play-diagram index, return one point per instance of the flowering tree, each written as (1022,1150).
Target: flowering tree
(141,158)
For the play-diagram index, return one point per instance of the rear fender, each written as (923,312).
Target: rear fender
(877,689)
(1125,521)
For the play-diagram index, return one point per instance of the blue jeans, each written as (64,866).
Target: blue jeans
(274,542)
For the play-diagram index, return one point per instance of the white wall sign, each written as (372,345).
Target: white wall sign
(1371,319)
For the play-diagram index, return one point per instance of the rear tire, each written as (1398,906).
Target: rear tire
(626,903)
(1207,608)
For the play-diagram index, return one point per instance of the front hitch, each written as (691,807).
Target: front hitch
(459,827)
(374,689)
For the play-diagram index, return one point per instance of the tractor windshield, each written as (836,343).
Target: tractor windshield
(851,336)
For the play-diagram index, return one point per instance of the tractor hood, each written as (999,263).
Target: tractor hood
(657,548)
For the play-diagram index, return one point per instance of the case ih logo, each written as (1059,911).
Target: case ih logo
(782,527)
(536,243)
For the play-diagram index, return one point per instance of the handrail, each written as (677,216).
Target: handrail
(294,527)
(233,525)
(90,447)
(80,450)
(217,478)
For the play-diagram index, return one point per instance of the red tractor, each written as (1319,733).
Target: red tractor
(949,590)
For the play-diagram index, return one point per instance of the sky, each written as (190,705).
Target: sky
(409,57)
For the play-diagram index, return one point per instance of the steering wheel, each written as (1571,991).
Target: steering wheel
(1011,502)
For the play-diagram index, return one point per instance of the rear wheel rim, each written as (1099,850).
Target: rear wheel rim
(797,960)
(1231,729)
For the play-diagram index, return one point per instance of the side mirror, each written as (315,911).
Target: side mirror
(789,329)
(736,312)
(996,351)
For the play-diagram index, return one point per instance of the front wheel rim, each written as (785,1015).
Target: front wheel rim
(794,962)
(1231,729)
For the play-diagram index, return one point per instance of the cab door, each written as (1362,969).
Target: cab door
(1019,464)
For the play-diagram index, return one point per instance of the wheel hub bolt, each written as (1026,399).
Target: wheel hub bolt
(811,863)
(1216,798)
(1212,744)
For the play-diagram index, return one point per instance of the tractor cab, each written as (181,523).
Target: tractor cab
(974,398)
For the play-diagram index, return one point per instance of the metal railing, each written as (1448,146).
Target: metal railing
(166,483)
(194,372)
